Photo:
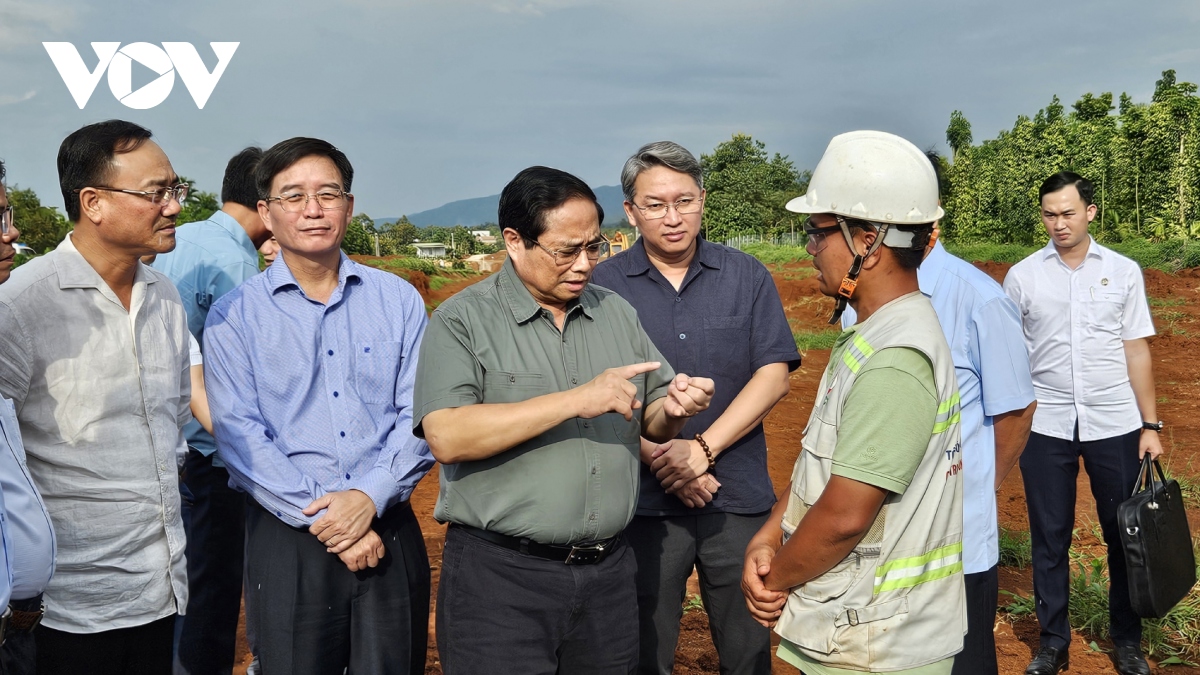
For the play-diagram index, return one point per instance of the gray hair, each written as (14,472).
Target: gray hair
(660,153)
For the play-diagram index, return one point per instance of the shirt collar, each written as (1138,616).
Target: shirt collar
(1094,250)
(74,271)
(931,268)
(520,301)
(234,228)
(279,275)
(637,261)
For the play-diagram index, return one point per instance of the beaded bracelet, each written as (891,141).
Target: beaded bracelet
(712,463)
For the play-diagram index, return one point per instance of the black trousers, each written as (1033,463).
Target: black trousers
(1049,467)
(667,549)
(18,655)
(214,516)
(312,616)
(140,650)
(978,656)
(501,612)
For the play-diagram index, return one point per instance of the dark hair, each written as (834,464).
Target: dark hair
(935,160)
(536,191)
(3,172)
(284,154)
(238,185)
(85,158)
(1062,179)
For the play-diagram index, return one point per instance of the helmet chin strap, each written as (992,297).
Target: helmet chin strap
(850,281)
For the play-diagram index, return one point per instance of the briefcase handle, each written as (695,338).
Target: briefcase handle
(1146,479)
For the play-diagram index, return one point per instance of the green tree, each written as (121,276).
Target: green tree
(360,238)
(958,134)
(199,205)
(747,190)
(42,227)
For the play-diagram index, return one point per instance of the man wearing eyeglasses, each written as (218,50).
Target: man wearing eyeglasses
(94,353)
(714,311)
(533,388)
(27,548)
(309,368)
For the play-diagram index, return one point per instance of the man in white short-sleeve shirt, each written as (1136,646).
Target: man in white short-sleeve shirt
(1085,317)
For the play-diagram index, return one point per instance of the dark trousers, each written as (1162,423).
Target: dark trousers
(18,655)
(312,615)
(140,650)
(978,656)
(1049,467)
(501,612)
(214,516)
(667,549)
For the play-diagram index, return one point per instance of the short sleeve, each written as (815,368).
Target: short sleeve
(448,374)
(1135,320)
(194,356)
(771,338)
(887,420)
(998,346)
(657,381)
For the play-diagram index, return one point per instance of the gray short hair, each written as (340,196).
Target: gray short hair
(660,153)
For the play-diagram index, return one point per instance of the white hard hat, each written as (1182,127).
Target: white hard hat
(875,176)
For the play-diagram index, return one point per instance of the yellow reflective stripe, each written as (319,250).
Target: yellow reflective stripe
(948,414)
(941,427)
(947,405)
(908,572)
(854,361)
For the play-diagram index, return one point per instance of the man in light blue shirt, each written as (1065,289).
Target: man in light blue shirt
(26,533)
(310,369)
(211,258)
(983,328)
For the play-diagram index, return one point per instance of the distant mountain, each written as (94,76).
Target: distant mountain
(480,210)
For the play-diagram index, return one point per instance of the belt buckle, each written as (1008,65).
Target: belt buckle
(588,554)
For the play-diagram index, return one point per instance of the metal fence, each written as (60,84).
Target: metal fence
(785,238)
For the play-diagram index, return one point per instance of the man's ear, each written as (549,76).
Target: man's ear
(89,205)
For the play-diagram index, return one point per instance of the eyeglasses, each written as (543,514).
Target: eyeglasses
(6,219)
(656,210)
(295,202)
(816,237)
(161,196)
(566,256)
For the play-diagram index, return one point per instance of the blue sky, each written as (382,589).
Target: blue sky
(437,100)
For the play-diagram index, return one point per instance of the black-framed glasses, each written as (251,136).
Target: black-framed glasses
(161,196)
(295,202)
(6,219)
(566,256)
(816,236)
(657,210)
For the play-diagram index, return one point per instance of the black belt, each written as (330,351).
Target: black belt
(585,553)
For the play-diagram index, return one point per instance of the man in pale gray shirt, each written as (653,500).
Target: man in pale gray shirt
(94,354)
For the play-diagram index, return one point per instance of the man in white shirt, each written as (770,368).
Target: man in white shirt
(94,353)
(1086,320)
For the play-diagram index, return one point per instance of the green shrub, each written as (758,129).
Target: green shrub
(1015,549)
(770,254)
(820,339)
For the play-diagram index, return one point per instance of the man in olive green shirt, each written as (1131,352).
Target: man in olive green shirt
(533,389)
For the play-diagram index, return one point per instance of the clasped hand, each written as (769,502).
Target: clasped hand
(345,528)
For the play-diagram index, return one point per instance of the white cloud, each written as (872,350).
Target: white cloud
(9,99)
(23,22)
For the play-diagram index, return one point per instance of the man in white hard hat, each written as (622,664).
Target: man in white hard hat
(983,329)
(859,567)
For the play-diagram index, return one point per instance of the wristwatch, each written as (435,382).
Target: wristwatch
(1153,426)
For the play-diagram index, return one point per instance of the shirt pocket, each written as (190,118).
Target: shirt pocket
(502,386)
(1104,311)
(376,369)
(727,344)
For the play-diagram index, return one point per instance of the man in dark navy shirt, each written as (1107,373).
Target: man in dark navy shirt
(713,311)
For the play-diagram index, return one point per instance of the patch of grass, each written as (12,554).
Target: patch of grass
(771,254)
(821,339)
(1167,302)
(693,602)
(1189,487)
(1020,606)
(1015,548)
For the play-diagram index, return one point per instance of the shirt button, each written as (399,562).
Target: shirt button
(347,476)
(343,434)
(678,299)
(335,394)
(592,517)
(594,470)
(331,352)
(574,381)
(683,336)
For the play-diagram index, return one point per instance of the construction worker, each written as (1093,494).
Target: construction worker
(859,567)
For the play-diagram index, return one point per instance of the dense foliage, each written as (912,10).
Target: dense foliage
(1144,160)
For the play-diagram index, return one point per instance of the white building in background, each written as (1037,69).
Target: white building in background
(484,236)
(433,250)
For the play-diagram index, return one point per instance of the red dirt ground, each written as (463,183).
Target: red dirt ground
(1177,317)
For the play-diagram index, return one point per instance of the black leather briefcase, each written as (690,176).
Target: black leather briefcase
(1157,543)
